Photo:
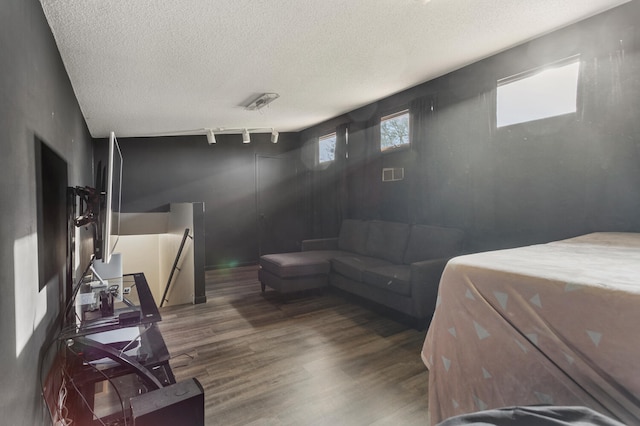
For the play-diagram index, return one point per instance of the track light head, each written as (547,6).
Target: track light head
(211,137)
(274,136)
(246,138)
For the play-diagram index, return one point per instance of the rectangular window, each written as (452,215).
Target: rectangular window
(394,131)
(327,148)
(535,95)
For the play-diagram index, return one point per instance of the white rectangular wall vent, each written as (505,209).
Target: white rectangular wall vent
(391,174)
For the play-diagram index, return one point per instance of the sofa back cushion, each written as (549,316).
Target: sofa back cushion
(353,236)
(387,240)
(433,242)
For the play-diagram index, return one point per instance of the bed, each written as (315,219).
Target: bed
(551,324)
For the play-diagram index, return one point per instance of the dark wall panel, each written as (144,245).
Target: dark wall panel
(551,178)
(36,100)
(159,171)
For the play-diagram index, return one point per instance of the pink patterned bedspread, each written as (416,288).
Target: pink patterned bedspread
(553,323)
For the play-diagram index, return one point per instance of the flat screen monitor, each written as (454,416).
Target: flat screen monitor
(113,187)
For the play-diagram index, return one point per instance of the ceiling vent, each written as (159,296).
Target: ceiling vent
(262,101)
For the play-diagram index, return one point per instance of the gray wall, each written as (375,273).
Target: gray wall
(35,98)
(163,170)
(529,183)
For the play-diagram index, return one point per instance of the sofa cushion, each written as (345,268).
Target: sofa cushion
(353,236)
(432,242)
(395,278)
(387,240)
(298,264)
(353,266)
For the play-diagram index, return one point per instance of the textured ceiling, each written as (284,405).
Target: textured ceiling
(164,67)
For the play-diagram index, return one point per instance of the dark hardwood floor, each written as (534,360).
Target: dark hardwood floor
(314,359)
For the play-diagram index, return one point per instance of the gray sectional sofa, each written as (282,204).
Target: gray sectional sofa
(394,264)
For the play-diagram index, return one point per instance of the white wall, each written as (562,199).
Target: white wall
(149,243)
(141,253)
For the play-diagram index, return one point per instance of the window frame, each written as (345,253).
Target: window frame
(391,116)
(575,59)
(327,136)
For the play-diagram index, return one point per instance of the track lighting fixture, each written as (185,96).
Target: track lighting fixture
(211,137)
(246,133)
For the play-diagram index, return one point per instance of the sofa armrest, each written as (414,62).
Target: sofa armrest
(320,244)
(425,280)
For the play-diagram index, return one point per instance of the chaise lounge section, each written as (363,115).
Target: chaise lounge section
(393,264)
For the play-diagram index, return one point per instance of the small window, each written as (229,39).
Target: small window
(536,95)
(327,148)
(394,130)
